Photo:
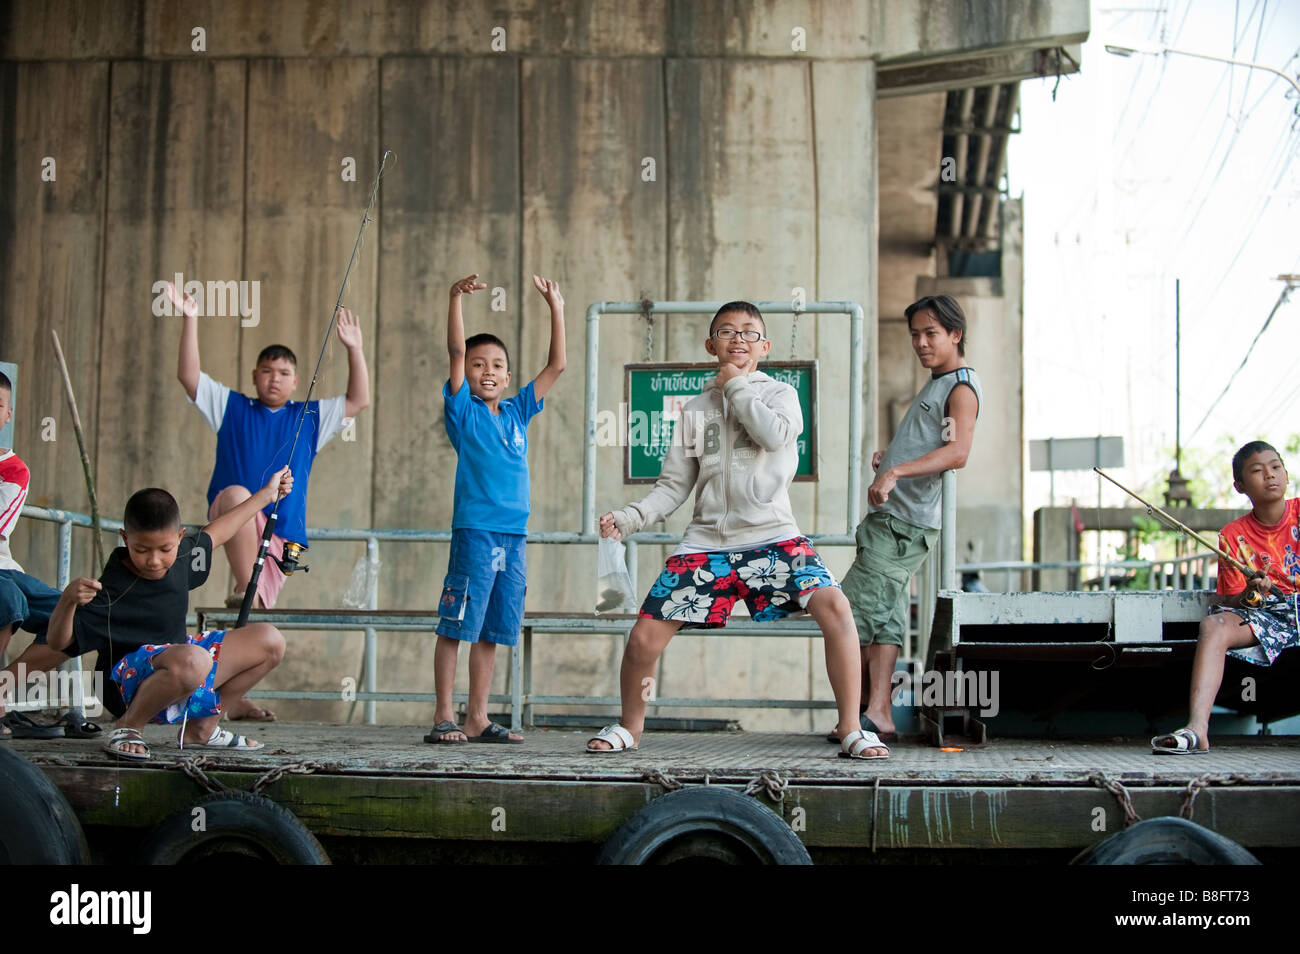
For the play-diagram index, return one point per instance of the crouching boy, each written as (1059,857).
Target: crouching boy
(134,617)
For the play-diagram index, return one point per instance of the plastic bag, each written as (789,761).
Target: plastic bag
(613,583)
(363,582)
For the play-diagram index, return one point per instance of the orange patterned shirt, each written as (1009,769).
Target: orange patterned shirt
(1275,550)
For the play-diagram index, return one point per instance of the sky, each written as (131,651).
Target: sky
(1146,169)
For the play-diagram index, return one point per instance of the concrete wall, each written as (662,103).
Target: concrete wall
(225,164)
(990,524)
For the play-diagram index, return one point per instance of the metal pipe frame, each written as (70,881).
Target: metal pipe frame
(856,359)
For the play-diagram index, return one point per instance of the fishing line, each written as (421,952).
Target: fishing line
(292,547)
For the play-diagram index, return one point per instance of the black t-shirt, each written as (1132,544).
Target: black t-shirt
(130,611)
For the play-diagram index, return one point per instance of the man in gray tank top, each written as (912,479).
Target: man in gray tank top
(899,531)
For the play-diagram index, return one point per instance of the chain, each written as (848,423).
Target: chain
(770,782)
(193,767)
(794,336)
(1194,788)
(667,782)
(1121,795)
(298,768)
(646,305)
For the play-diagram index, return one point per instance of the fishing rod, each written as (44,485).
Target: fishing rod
(1246,571)
(292,549)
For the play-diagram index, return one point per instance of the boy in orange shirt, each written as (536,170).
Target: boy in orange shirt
(1251,623)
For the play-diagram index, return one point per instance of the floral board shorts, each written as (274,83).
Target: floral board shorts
(1274,625)
(135,667)
(701,589)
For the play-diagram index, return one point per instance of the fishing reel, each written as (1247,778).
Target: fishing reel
(289,562)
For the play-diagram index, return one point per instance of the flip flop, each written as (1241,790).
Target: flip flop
(223,739)
(496,733)
(866,725)
(1186,742)
(77,726)
(440,732)
(619,739)
(24,728)
(267,716)
(869,726)
(117,741)
(858,742)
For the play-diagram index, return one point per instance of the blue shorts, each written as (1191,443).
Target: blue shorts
(137,666)
(27,601)
(483,592)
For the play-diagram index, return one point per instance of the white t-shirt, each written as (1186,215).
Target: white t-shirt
(210,398)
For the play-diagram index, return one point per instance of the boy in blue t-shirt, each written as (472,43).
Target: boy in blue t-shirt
(483,593)
(254,435)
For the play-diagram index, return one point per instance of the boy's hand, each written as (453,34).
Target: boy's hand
(467,286)
(728,371)
(550,291)
(876,458)
(82,590)
(608,527)
(880,488)
(349,327)
(188,306)
(280,485)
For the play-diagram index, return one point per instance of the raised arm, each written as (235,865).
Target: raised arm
(555,359)
(962,407)
(456,329)
(187,365)
(225,526)
(358,396)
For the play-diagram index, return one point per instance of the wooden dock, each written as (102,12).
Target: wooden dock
(383,783)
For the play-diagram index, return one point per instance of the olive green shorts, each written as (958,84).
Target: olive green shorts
(890,551)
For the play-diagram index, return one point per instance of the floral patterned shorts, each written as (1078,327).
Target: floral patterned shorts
(1274,625)
(701,589)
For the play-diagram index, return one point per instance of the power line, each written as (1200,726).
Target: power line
(1281,299)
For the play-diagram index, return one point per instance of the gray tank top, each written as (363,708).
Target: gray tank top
(916,500)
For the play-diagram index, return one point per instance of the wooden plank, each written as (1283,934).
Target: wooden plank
(175,204)
(742,224)
(50,272)
(306,117)
(450,208)
(904,816)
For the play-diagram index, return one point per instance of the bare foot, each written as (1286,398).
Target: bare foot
(242,708)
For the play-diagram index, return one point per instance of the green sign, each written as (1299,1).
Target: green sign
(654,394)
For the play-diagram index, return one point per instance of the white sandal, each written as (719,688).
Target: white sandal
(222,739)
(619,739)
(1186,742)
(858,741)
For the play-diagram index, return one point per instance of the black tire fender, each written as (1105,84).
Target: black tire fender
(1166,841)
(233,823)
(725,825)
(37,825)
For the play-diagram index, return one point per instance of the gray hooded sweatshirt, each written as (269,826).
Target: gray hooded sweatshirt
(737,448)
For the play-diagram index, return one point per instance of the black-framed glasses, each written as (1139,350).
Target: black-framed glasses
(726,334)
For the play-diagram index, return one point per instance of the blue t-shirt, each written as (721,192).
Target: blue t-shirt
(253,443)
(492,459)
